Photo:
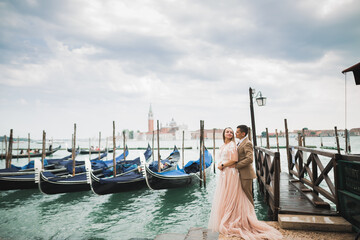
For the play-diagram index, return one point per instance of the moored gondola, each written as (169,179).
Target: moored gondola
(50,183)
(177,178)
(131,179)
(29,167)
(83,151)
(26,180)
(32,155)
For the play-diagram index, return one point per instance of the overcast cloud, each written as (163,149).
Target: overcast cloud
(92,62)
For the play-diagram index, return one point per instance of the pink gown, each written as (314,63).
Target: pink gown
(232,214)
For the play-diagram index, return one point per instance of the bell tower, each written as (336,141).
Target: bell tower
(150,121)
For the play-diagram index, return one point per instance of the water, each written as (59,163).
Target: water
(29,214)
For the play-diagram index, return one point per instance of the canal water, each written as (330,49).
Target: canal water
(29,214)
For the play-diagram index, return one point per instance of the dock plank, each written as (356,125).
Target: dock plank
(292,201)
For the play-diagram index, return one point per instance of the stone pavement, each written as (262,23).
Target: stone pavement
(305,234)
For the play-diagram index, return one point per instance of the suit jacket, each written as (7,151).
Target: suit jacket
(245,160)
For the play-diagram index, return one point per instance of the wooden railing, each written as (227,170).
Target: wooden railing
(299,166)
(267,165)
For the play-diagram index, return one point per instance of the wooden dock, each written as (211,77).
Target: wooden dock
(293,201)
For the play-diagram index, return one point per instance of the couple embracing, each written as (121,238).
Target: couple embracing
(232,212)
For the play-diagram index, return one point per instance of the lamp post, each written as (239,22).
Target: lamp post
(261,101)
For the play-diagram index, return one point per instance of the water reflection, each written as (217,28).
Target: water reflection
(13,198)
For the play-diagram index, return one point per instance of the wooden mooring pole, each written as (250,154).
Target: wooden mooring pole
(158,146)
(267,139)
(99,144)
(183,135)
(124,144)
(152,152)
(2,149)
(9,151)
(114,148)
(214,150)
(200,148)
(28,151)
(90,149)
(277,140)
(43,149)
(73,150)
(18,140)
(288,154)
(203,155)
(303,137)
(337,140)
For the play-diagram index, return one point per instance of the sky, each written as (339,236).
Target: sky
(92,62)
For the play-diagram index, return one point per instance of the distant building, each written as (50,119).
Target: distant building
(171,131)
(355,132)
(208,134)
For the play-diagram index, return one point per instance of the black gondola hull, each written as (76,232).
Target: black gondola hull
(116,187)
(54,187)
(157,182)
(12,183)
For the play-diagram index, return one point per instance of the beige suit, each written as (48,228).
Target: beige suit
(244,165)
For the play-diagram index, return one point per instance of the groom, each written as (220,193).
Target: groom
(245,159)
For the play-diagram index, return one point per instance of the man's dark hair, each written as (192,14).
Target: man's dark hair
(244,129)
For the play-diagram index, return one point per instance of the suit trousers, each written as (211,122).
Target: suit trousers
(246,185)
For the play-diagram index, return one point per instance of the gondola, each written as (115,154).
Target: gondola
(32,155)
(26,180)
(93,151)
(50,183)
(179,177)
(29,168)
(131,179)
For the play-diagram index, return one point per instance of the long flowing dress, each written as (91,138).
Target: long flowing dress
(232,214)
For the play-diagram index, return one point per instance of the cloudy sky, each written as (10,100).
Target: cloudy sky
(92,62)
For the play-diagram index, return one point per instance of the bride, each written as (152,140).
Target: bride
(232,214)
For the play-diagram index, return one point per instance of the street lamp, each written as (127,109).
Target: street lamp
(261,101)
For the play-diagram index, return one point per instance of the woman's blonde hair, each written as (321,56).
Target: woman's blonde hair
(233,138)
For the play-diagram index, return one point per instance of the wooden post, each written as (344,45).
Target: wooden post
(124,145)
(277,140)
(183,135)
(9,152)
(114,148)
(347,142)
(99,144)
(90,149)
(200,148)
(43,149)
(28,147)
(299,139)
(73,150)
(321,142)
(158,146)
(303,137)
(277,170)
(267,139)
(2,149)
(337,140)
(18,140)
(288,153)
(214,150)
(153,149)
(314,173)
(106,147)
(6,151)
(203,155)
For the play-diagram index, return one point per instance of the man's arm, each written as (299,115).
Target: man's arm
(248,156)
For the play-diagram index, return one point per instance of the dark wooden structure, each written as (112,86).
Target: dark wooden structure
(310,185)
